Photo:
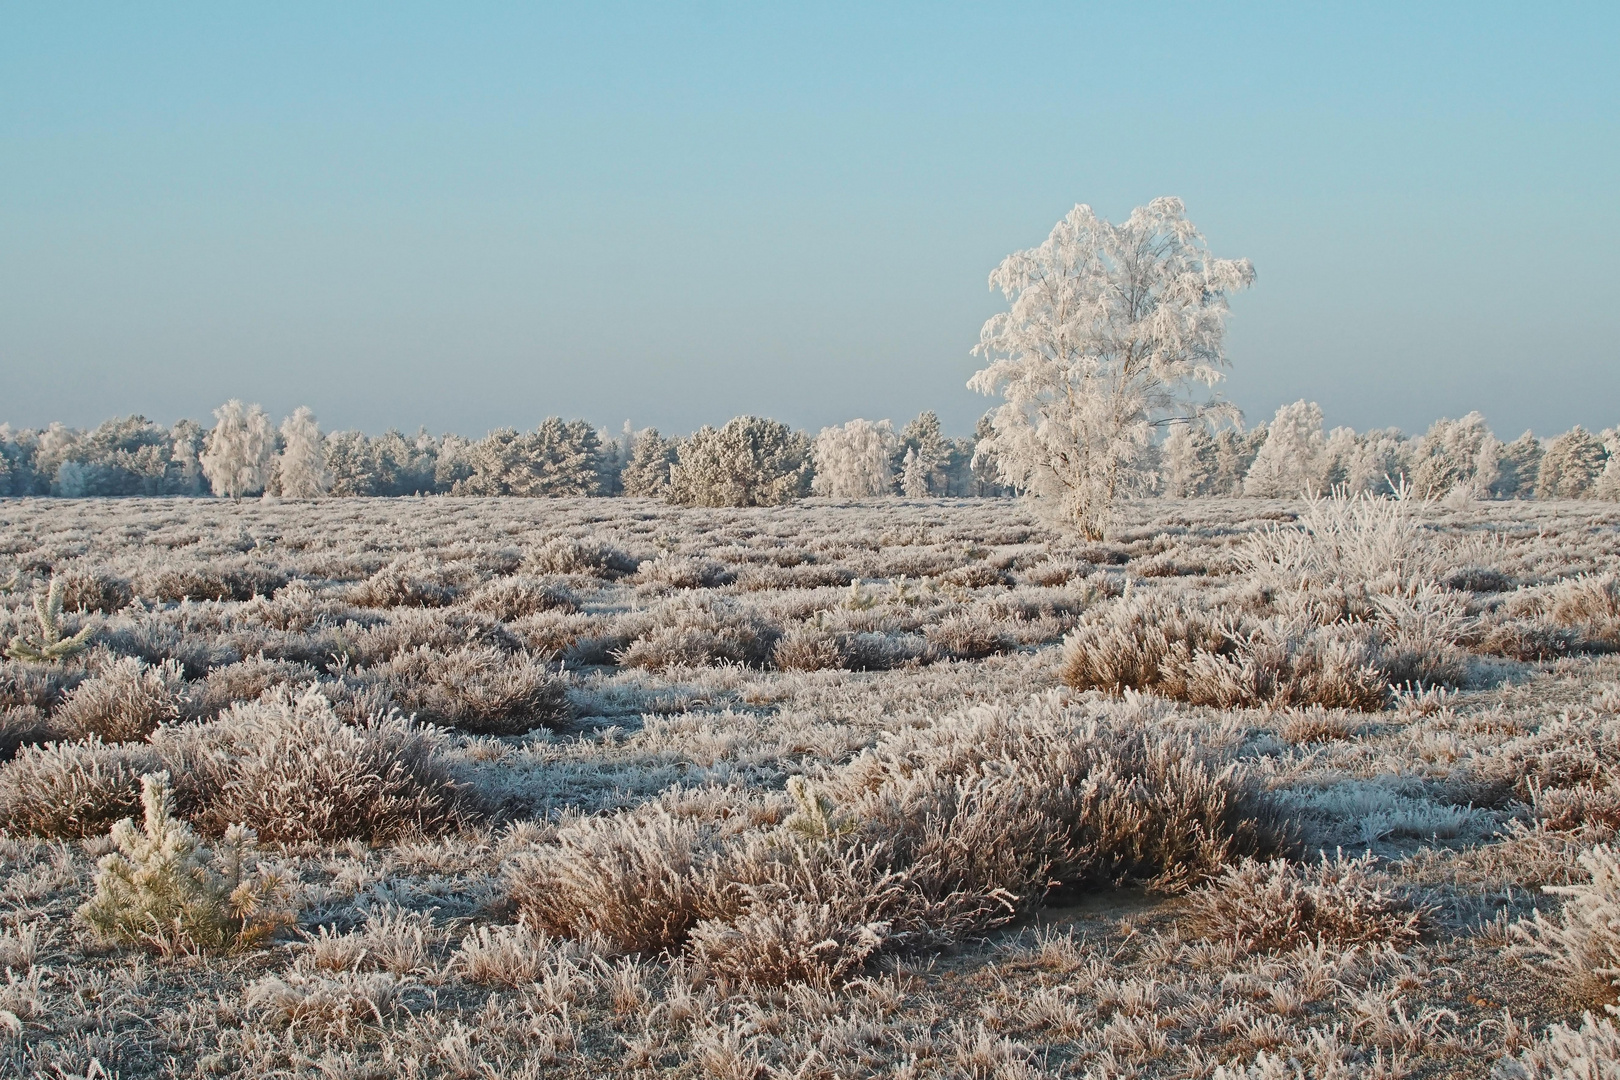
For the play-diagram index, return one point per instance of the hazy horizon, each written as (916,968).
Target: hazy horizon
(463,220)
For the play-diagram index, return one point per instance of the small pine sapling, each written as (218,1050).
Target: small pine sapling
(163,889)
(48,645)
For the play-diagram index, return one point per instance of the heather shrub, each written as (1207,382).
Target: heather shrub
(325,1005)
(567,555)
(1274,906)
(247,680)
(642,880)
(1135,642)
(511,598)
(478,689)
(1583,940)
(695,633)
(669,571)
(967,636)
(806,648)
(126,701)
(1589,603)
(163,889)
(299,773)
(40,686)
(1278,663)
(87,590)
(443,630)
(404,585)
(73,789)
(172,582)
(21,725)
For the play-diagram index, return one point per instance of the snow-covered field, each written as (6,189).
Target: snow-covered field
(812,791)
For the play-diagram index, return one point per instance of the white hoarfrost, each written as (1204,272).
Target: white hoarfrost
(302,465)
(237,458)
(852,461)
(1291,461)
(1112,331)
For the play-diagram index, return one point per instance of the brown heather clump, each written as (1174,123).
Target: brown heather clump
(687,634)
(478,689)
(125,701)
(642,880)
(299,773)
(1590,603)
(511,598)
(1274,906)
(1137,642)
(92,589)
(403,585)
(73,789)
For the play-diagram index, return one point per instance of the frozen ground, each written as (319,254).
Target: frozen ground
(821,791)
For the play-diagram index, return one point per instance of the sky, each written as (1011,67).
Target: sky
(466,216)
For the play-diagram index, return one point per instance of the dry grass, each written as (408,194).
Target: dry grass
(579,787)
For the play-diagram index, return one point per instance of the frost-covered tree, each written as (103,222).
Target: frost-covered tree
(1290,462)
(1235,452)
(237,458)
(646,474)
(1187,462)
(925,438)
(1571,466)
(1518,465)
(301,468)
(1379,463)
(913,476)
(1607,485)
(751,461)
(853,461)
(1113,330)
(557,458)
(1455,454)
(186,440)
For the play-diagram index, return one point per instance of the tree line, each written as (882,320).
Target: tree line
(756,461)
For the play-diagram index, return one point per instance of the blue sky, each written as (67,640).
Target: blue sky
(472,215)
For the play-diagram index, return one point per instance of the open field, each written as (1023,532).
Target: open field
(904,788)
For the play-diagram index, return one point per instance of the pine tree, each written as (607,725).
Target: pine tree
(1571,466)
(1290,460)
(646,475)
(1520,467)
(751,461)
(1188,462)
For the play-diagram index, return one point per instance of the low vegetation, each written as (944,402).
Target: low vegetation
(1246,788)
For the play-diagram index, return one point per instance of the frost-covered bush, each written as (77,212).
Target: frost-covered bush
(87,590)
(1590,1052)
(1274,906)
(751,461)
(695,633)
(72,789)
(854,461)
(479,689)
(298,772)
(404,584)
(125,701)
(642,880)
(1291,462)
(569,555)
(511,598)
(240,450)
(161,888)
(1583,940)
